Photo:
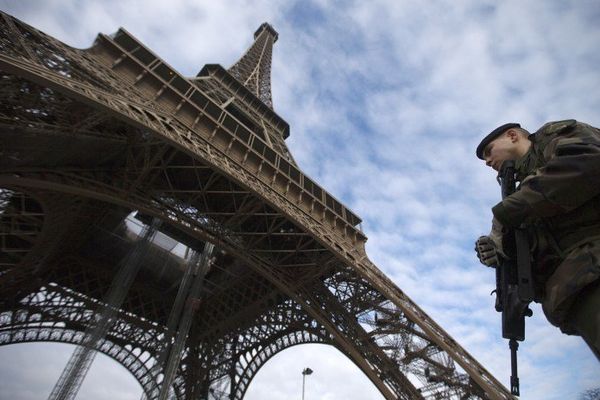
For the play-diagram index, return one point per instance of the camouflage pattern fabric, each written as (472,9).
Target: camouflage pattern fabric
(558,200)
(580,268)
(585,317)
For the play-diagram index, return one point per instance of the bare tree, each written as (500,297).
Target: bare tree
(590,394)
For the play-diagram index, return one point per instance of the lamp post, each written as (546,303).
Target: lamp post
(306,371)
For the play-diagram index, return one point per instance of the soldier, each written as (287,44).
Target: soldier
(558,201)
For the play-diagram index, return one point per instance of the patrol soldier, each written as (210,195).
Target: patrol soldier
(558,200)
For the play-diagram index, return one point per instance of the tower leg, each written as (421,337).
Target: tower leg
(185,322)
(191,271)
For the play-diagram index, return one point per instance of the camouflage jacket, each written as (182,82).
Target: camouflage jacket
(559,201)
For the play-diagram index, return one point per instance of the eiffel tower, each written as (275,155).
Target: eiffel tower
(162,220)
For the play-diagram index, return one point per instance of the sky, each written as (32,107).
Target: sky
(386,101)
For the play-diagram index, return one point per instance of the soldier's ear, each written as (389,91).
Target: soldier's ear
(513,135)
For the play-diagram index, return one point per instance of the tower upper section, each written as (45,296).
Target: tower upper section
(244,91)
(253,69)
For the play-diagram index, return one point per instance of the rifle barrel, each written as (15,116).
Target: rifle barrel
(514,374)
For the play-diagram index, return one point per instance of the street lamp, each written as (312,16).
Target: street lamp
(306,371)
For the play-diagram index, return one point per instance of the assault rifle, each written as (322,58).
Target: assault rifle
(514,284)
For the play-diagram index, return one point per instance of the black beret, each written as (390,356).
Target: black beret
(493,135)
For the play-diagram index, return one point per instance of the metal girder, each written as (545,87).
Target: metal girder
(21,221)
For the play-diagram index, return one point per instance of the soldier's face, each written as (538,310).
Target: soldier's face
(499,150)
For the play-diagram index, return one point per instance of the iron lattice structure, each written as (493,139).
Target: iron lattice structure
(89,136)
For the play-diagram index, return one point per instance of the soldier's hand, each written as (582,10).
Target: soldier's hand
(487,251)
